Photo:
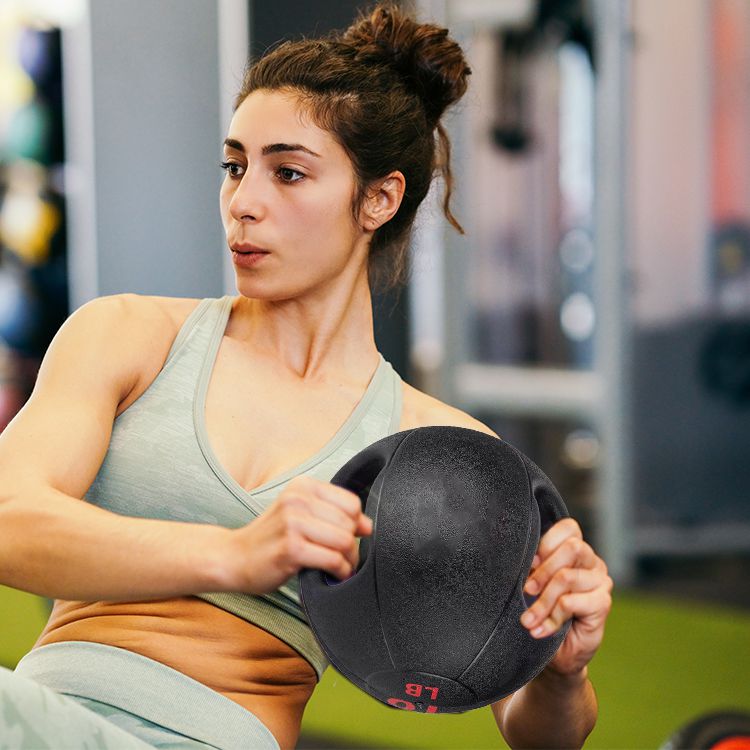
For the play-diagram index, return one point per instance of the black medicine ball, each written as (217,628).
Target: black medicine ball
(430,620)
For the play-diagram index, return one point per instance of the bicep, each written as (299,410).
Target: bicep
(60,437)
(498,710)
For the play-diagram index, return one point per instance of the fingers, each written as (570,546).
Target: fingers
(329,535)
(571,592)
(331,514)
(327,519)
(340,506)
(562,530)
(328,559)
(569,580)
(571,552)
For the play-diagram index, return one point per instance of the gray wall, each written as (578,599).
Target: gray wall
(143,116)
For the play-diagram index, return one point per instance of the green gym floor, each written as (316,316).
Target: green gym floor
(665,660)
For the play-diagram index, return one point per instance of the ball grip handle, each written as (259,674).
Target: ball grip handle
(361,471)
(361,474)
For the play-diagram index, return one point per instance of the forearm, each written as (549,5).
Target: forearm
(551,711)
(60,547)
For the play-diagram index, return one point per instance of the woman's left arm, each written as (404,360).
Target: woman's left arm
(558,708)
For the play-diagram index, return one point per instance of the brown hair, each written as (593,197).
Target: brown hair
(380,88)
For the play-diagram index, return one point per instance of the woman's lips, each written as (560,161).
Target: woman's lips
(246,247)
(248,258)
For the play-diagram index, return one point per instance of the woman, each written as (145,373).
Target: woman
(203,433)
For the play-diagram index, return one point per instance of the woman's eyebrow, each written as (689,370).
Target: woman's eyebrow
(273,148)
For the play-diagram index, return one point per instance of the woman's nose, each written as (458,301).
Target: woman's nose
(246,203)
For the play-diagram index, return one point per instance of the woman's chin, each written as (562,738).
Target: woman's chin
(255,289)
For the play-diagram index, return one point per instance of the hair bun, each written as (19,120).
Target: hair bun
(429,61)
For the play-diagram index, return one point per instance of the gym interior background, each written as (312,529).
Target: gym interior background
(596,313)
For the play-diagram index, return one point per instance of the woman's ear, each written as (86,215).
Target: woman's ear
(382,200)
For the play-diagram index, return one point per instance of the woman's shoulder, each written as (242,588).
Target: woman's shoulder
(146,310)
(136,316)
(141,327)
(422,410)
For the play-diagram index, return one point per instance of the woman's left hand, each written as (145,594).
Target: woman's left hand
(570,581)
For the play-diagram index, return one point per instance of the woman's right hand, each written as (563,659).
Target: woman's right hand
(311,524)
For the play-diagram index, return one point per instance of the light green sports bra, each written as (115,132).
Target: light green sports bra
(160,465)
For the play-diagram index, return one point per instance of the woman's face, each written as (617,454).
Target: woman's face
(288,192)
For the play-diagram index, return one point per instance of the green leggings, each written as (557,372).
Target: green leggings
(33,717)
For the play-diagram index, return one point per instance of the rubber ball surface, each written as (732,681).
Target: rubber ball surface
(430,620)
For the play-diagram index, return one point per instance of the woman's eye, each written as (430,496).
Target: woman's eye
(232,168)
(287,174)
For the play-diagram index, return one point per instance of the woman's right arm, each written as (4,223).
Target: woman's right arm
(56,545)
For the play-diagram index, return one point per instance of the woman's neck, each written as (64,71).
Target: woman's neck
(314,337)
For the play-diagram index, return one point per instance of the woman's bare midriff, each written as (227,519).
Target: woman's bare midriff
(227,654)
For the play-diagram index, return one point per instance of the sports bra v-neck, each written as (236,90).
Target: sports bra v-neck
(199,423)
